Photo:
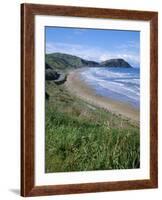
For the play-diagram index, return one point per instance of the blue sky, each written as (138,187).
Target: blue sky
(95,44)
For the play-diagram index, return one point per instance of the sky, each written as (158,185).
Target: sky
(94,44)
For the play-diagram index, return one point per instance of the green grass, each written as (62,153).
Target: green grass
(64,62)
(81,137)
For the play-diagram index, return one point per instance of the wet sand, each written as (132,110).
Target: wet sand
(78,87)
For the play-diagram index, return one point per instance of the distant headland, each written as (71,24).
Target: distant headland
(61,61)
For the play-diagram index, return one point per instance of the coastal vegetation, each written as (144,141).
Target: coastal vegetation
(64,62)
(80,136)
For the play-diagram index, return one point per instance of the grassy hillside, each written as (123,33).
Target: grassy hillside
(60,61)
(82,137)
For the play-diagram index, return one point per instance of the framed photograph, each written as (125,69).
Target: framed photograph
(88,99)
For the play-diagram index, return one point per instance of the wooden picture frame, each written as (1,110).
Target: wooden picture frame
(28,12)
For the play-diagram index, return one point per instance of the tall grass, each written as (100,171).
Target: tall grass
(79,138)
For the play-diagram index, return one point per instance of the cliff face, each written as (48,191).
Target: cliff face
(115,63)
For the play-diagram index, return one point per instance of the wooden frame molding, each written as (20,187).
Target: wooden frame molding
(28,12)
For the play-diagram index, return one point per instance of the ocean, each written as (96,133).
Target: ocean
(121,84)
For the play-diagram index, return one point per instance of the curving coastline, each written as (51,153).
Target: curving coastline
(78,87)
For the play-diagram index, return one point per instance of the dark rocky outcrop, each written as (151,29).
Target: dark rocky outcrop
(51,74)
(47,96)
(47,66)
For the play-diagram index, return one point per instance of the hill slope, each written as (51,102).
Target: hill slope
(118,62)
(60,61)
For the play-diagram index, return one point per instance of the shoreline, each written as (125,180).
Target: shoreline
(79,88)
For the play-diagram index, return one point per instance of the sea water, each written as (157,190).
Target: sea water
(121,84)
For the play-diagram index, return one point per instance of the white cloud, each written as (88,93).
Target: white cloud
(129,45)
(104,56)
(93,53)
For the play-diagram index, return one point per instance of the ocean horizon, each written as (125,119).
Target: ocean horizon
(120,84)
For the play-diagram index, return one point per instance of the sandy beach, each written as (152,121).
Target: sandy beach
(78,87)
